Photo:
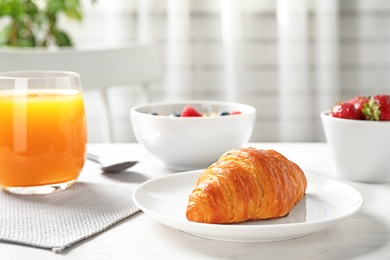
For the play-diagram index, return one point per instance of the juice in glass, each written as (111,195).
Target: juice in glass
(42,139)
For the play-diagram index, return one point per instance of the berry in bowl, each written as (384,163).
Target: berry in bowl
(192,134)
(190,111)
(357,132)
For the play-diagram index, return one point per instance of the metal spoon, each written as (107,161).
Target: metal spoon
(111,168)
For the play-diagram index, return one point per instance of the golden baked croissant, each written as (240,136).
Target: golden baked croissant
(246,184)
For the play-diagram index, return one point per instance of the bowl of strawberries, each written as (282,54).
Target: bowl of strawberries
(357,131)
(192,134)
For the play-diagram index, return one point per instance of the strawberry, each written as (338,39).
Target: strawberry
(359,102)
(383,101)
(189,111)
(235,113)
(345,110)
(378,108)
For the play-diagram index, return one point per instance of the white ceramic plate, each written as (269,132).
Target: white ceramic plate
(326,202)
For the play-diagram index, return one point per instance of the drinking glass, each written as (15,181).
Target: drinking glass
(42,131)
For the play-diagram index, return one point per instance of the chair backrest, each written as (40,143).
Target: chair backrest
(98,68)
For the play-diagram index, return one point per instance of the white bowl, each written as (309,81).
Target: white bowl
(185,143)
(360,149)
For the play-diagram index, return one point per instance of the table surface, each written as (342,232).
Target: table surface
(365,235)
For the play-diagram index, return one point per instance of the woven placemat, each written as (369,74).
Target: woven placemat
(56,221)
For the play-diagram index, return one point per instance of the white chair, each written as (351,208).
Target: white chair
(99,68)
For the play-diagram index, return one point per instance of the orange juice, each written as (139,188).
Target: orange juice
(42,136)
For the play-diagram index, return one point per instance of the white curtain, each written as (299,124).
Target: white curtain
(290,59)
(307,70)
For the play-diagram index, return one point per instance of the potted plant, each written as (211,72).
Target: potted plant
(34,23)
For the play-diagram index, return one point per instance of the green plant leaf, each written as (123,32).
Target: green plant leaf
(74,13)
(73,9)
(9,8)
(55,6)
(62,38)
(26,42)
(30,8)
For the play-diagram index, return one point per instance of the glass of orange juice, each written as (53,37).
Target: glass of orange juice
(42,131)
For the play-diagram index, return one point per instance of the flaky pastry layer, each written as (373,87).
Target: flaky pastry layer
(246,184)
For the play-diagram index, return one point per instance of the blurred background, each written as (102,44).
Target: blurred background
(290,59)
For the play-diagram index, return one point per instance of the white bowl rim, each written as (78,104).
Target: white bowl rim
(250,109)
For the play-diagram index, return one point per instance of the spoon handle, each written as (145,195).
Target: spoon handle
(94,158)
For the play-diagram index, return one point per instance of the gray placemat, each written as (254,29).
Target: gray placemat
(56,221)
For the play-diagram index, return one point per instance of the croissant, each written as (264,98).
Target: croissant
(246,184)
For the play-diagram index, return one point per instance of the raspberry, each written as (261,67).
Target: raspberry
(189,111)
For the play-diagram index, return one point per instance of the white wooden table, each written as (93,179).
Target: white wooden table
(365,235)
